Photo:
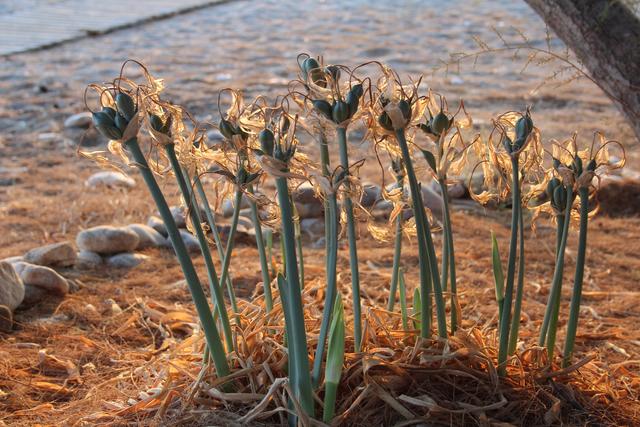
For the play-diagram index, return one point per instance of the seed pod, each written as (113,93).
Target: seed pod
(126,106)
(551,187)
(357,90)
(323,107)
(105,125)
(333,71)
(385,121)
(440,123)
(267,141)
(340,111)
(426,128)
(405,109)
(166,128)
(559,198)
(308,65)
(507,144)
(556,164)
(591,166)
(156,122)
(524,126)
(284,124)
(110,112)
(576,165)
(120,122)
(313,71)
(226,129)
(353,98)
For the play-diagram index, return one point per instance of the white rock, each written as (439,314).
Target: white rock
(106,239)
(371,193)
(307,204)
(44,278)
(312,226)
(6,323)
(158,225)
(147,236)
(11,286)
(456,190)
(433,201)
(13,259)
(190,241)
(227,206)
(126,260)
(54,255)
(80,120)
(87,260)
(33,295)
(178,214)
(111,179)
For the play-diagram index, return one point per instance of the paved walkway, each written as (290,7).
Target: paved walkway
(29,25)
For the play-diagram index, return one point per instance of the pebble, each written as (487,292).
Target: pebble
(125,260)
(11,286)
(227,206)
(87,260)
(456,190)
(148,237)
(33,295)
(433,201)
(6,319)
(44,278)
(110,179)
(80,120)
(158,225)
(371,193)
(54,255)
(307,204)
(178,214)
(106,239)
(190,241)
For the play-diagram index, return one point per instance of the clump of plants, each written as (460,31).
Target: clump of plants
(305,349)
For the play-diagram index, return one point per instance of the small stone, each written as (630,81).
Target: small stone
(433,201)
(371,193)
(111,179)
(147,236)
(80,120)
(6,319)
(13,259)
(190,241)
(11,286)
(44,278)
(126,260)
(88,260)
(178,214)
(106,239)
(158,225)
(227,206)
(456,190)
(307,204)
(54,255)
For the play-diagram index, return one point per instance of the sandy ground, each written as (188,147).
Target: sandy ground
(253,46)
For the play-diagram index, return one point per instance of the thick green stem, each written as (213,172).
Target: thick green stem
(574,312)
(426,253)
(226,261)
(194,212)
(212,223)
(199,299)
(553,307)
(300,379)
(353,249)
(403,299)
(560,219)
(262,254)
(517,308)
(397,252)
(296,225)
(449,254)
(332,289)
(505,320)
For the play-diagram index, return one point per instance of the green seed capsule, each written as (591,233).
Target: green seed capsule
(126,106)
(507,144)
(308,65)
(105,125)
(284,124)
(591,166)
(405,108)
(323,107)
(333,71)
(226,129)
(559,198)
(556,164)
(440,123)
(166,128)
(385,121)
(576,165)
(524,126)
(120,122)
(340,111)
(353,101)
(110,112)
(267,140)
(156,122)
(551,187)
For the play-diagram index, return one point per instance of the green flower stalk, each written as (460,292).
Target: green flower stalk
(196,221)
(574,310)
(498,275)
(335,360)
(398,169)
(403,299)
(262,253)
(277,163)
(122,124)
(517,307)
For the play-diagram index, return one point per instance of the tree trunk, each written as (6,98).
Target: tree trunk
(605,36)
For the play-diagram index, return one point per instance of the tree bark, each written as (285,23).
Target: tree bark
(605,36)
